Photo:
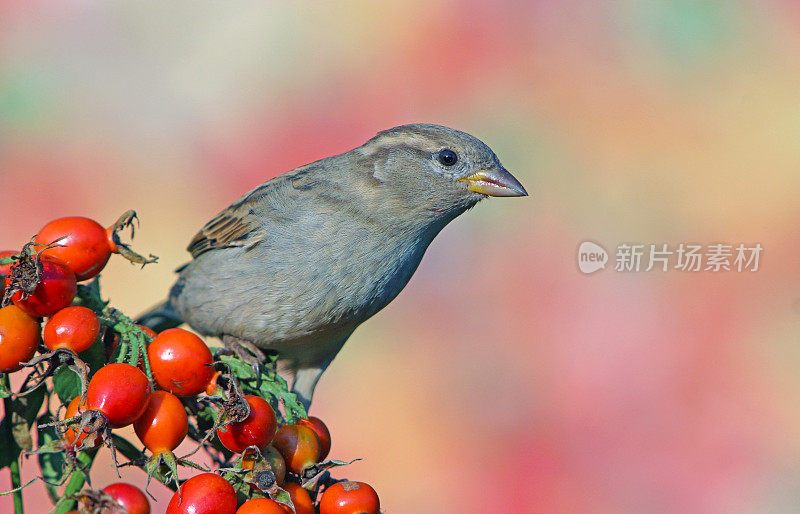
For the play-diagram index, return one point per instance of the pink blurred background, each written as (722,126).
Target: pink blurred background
(502,379)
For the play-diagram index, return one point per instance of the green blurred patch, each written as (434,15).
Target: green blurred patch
(26,96)
(688,31)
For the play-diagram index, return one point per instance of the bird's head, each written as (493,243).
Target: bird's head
(436,169)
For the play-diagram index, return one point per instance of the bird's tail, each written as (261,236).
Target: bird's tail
(160,317)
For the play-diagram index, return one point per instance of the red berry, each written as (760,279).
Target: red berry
(181,362)
(87,439)
(298,445)
(349,498)
(204,494)
(73,327)
(322,432)
(20,334)
(120,391)
(257,429)
(300,498)
(130,497)
(163,424)
(272,460)
(55,290)
(263,506)
(83,244)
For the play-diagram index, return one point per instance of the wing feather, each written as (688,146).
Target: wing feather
(238,225)
(235,226)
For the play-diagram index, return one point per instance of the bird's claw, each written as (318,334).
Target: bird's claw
(244,350)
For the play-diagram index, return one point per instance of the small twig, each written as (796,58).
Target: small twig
(128,220)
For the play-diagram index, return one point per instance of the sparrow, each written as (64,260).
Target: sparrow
(298,263)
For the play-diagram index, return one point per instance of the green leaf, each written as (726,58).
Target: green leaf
(24,412)
(5,391)
(89,296)
(94,356)
(282,496)
(205,422)
(239,367)
(279,390)
(267,384)
(29,406)
(66,384)
(9,449)
(126,448)
(312,475)
(15,435)
(52,464)
(15,428)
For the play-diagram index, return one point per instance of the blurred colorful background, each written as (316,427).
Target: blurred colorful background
(502,379)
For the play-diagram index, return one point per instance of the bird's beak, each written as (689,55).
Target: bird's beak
(495,181)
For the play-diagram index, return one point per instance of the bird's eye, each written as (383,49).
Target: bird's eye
(448,157)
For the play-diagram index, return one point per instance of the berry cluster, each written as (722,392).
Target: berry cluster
(266,454)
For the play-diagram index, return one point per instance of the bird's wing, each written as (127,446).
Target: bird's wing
(235,226)
(229,228)
(238,224)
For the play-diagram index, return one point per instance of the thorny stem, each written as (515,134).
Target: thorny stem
(14,468)
(133,340)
